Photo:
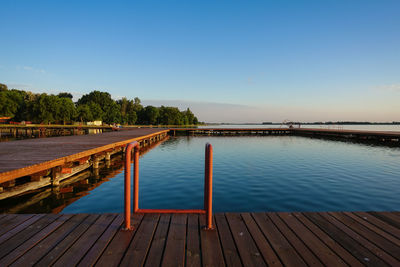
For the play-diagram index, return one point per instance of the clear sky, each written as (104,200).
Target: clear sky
(231,61)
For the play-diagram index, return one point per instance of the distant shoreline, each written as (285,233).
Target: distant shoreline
(308,123)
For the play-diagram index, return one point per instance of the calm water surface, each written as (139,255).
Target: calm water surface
(282,173)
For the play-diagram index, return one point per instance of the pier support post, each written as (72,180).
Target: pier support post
(55,173)
(96,162)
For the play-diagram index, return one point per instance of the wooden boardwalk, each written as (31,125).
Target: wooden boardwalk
(240,239)
(25,157)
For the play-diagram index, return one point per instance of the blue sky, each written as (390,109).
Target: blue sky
(229,61)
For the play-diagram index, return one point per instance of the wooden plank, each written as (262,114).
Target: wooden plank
(156,250)
(369,235)
(19,227)
(78,250)
(94,253)
(248,251)
(297,244)
(49,243)
(324,253)
(381,254)
(388,218)
(211,252)
(174,253)
(12,220)
(136,253)
(263,245)
(61,247)
(379,223)
(284,250)
(231,255)
(360,252)
(193,252)
(24,235)
(331,243)
(374,228)
(34,240)
(115,251)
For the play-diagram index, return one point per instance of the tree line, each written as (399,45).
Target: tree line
(48,108)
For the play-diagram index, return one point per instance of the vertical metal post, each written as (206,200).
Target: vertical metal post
(208,183)
(127,187)
(136,179)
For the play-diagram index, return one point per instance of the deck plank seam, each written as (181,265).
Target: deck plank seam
(370,246)
(54,245)
(220,240)
(151,241)
(38,241)
(317,237)
(106,244)
(45,221)
(266,238)
(376,225)
(186,243)
(74,241)
(300,238)
(166,238)
(377,244)
(334,237)
(234,242)
(384,218)
(29,216)
(132,238)
(258,247)
(287,239)
(326,233)
(33,220)
(105,229)
(381,234)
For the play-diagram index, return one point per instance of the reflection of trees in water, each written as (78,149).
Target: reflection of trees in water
(54,200)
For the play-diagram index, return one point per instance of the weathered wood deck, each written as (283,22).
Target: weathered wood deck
(240,239)
(25,157)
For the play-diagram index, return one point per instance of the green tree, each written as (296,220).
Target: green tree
(3,87)
(170,116)
(46,108)
(67,109)
(96,111)
(150,115)
(65,95)
(188,114)
(84,113)
(11,102)
(110,109)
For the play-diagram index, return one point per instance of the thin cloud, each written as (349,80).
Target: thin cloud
(390,87)
(17,85)
(29,68)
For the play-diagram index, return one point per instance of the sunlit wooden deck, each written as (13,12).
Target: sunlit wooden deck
(240,239)
(26,157)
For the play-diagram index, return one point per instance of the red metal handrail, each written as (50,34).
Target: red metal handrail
(207,188)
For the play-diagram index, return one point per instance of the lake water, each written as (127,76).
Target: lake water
(270,173)
(388,127)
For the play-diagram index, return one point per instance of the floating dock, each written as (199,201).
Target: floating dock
(239,239)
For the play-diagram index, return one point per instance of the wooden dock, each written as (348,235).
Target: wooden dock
(24,157)
(239,239)
(31,164)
